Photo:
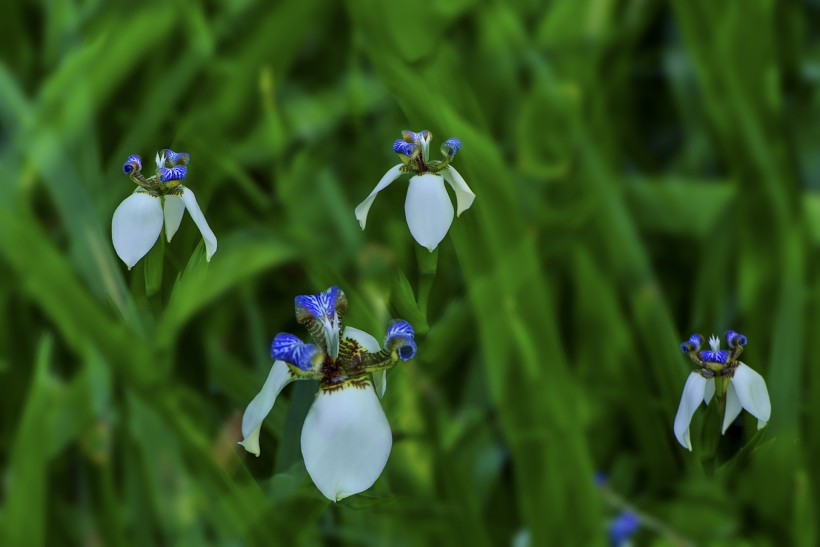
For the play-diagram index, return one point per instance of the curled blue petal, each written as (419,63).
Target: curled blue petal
(451,147)
(320,307)
(720,356)
(400,336)
(735,339)
(132,165)
(174,173)
(176,158)
(623,527)
(403,148)
(290,349)
(693,344)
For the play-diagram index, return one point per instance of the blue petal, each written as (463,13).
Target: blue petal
(623,527)
(403,148)
(176,158)
(132,165)
(735,339)
(400,336)
(720,356)
(451,147)
(290,349)
(411,137)
(321,306)
(693,344)
(174,173)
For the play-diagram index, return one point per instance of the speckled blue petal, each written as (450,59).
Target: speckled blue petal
(720,356)
(132,165)
(735,339)
(403,148)
(174,173)
(693,344)
(176,158)
(290,349)
(400,336)
(451,147)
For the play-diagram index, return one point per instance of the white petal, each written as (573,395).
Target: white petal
(189,200)
(380,382)
(363,208)
(733,408)
(693,393)
(752,394)
(173,208)
(135,227)
(428,210)
(346,441)
(709,393)
(464,196)
(260,406)
(365,340)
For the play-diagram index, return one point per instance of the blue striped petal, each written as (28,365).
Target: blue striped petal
(174,173)
(403,148)
(290,349)
(320,306)
(693,344)
(735,339)
(720,356)
(132,165)
(176,158)
(451,147)
(400,336)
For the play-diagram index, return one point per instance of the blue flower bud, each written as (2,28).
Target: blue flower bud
(174,173)
(693,344)
(403,148)
(735,339)
(132,165)
(623,527)
(451,147)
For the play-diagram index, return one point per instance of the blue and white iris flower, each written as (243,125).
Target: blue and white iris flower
(428,208)
(346,439)
(158,199)
(719,370)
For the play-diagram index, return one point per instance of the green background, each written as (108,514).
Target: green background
(643,170)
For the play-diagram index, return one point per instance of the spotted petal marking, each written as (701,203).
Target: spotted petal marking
(400,337)
(290,349)
(176,158)
(322,315)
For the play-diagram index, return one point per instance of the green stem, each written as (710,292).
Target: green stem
(428,264)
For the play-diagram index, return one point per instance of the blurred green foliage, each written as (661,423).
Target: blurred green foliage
(643,170)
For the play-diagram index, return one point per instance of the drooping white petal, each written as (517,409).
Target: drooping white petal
(709,393)
(693,393)
(173,208)
(346,441)
(733,408)
(752,394)
(364,207)
(464,196)
(260,406)
(428,210)
(189,200)
(135,227)
(370,344)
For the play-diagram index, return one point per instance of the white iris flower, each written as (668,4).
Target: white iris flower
(719,370)
(428,208)
(346,439)
(159,199)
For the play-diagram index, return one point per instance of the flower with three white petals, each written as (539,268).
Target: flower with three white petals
(428,208)
(346,439)
(742,387)
(159,199)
